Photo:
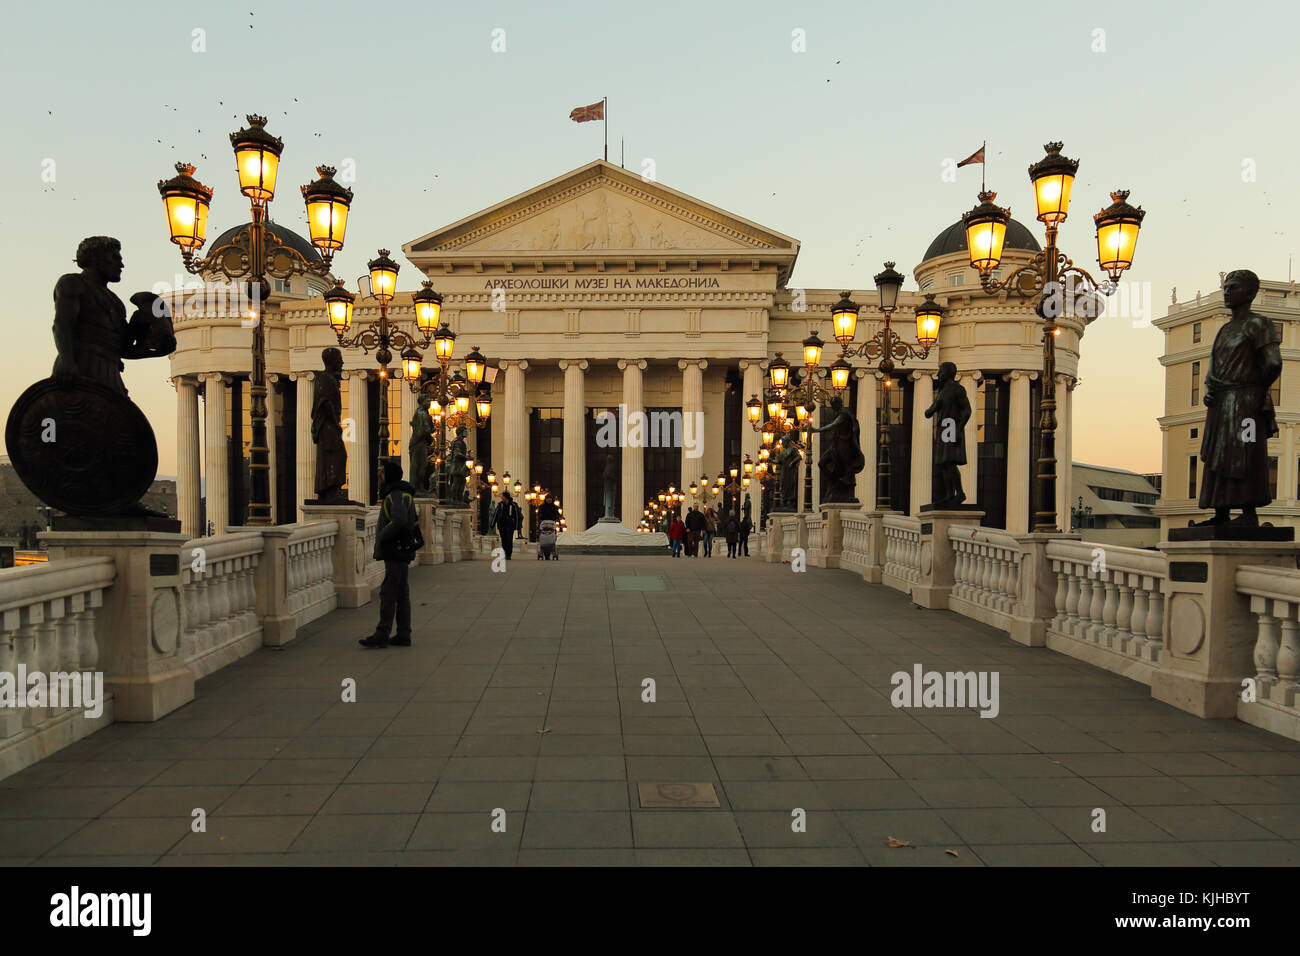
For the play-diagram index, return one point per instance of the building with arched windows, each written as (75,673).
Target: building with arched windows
(597,291)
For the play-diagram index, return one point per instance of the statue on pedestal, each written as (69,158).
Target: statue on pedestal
(611,486)
(75,438)
(953,410)
(457,470)
(1244,363)
(842,458)
(327,432)
(421,435)
(787,460)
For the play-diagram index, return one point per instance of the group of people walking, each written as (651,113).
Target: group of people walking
(703,526)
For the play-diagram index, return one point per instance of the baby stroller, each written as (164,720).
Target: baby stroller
(546,536)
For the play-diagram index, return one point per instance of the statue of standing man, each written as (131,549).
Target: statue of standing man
(421,436)
(1245,361)
(953,410)
(327,431)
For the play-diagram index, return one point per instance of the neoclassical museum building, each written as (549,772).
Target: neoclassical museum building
(601,291)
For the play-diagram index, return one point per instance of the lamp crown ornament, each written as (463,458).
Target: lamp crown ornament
(1053,163)
(256,133)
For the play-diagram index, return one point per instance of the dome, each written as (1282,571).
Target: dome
(953,239)
(298,243)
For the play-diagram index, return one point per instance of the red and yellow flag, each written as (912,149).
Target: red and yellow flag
(975,157)
(584,114)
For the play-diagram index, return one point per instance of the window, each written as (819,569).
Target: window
(1275,392)
(1196,332)
(279,285)
(395,423)
(955,279)
(1272,476)
(1191,477)
(1196,383)
(927,285)
(1196,432)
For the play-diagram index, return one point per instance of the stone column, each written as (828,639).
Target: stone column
(574,491)
(187,456)
(1018,454)
(922,441)
(359,447)
(750,440)
(1064,449)
(215,467)
(515,457)
(868,435)
(692,419)
(633,502)
(274,417)
(970,471)
(306,447)
(402,429)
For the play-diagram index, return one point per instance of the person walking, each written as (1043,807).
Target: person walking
(694,528)
(398,519)
(549,511)
(710,530)
(731,531)
(676,532)
(746,528)
(508,520)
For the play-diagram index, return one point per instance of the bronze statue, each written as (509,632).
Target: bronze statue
(1244,362)
(457,470)
(76,439)
(787,460)
(842,458)
(327,431)
(953,410)
(421,436)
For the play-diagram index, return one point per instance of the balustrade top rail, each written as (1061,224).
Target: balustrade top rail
(21,587)
(1266,581)
(1135,560)
(994,537)
(313,531)
(223,547)
(902,523)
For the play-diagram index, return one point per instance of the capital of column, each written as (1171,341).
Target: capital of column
(750,363)
(566,364)
(684,364)
(274,377)
(1020,373)
(920,374)
(299,376)
(179,380)
(974,375)
(642,364)
(521,364)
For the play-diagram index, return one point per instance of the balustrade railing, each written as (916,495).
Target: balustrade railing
(219,597)
(856,554)
(1110,597)
(1274,599)
(986,574)
(47,625)
(902,551)
(311,571)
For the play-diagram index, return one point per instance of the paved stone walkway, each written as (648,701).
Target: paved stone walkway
(771,685)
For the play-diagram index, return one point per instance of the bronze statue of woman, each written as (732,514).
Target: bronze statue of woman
(327,431)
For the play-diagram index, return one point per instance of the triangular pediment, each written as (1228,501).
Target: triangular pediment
(600,210)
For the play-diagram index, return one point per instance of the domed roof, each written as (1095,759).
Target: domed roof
(292,239)
(953,239)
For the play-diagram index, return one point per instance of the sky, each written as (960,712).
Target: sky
(446,108)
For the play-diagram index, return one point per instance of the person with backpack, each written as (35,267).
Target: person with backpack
(508,519)
(396,545)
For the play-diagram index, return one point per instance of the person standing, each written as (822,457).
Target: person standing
(397,520)
(746,528)
(549,511)
(676,532)
(710,530)
(731,531)
(694,528)
(508,520)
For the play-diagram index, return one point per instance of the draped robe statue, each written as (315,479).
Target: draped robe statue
(842,458)
(953,410)
(421,435)
(327,431)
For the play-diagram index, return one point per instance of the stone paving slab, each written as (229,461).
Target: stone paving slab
(521,703)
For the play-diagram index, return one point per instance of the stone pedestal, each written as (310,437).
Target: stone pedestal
(936,555)
(874,571)
(774,536)
(431,553)
(457,523)
(1210,631)
(271,585)
(350,557)
(832,532)
(139,627)
(1036,601)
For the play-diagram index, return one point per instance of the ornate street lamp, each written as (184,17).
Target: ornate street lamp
(458,400)
(254,253)
(382,336)
(1054,280)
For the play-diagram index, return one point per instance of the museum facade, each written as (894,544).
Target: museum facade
(600,292)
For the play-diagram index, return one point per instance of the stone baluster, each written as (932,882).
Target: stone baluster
(1288,654)
(1109,611)
(1124,613)
(1156,617)
(1138,617)
(1266,643)
(1062,595)
(1097,609)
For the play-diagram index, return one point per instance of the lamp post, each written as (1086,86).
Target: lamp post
(459,399)
(886,345)
(251,255)
(382,336)
(1061,287)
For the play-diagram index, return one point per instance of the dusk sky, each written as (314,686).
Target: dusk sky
(842,146)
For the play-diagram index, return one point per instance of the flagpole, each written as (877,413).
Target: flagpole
(604,116)
(623,155)
(984,165)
